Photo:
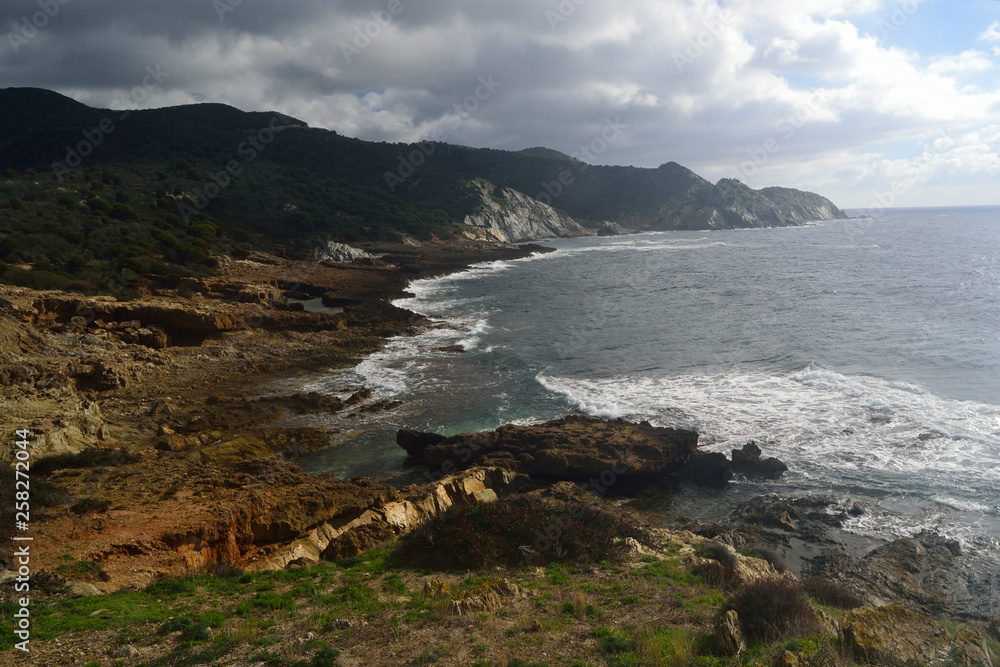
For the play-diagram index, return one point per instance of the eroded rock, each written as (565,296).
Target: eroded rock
(893,635)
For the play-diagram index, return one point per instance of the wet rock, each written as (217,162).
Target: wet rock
(359,397)
(415,442)
(709,469)
(893,635)
(452,349)
(729,638)
(748,461)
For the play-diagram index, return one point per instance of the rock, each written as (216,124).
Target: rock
(486,597)
(609,228)
(575,447)
(265,295)
(452,349)
(972,649)
(747,461)
(341,253)
(106,376)
(163,429)
(126,651)
(923,572)
(709,469)
(171,443)
(104,433)
(510,216)
(995,628)
(343,624)
(435,588)
(415,442)
(82,589)
(729,638)
(154,336)
(198,423)
(359,397)
(785,658)
(159,407)
(893,635)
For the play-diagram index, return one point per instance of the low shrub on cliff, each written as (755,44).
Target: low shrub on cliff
(773,609)
(514,531)
(831,593)
(90,457)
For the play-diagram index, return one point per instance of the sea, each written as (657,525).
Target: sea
(864,353)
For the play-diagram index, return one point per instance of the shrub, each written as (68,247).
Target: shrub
(772,609)
(773,557)
(832,593)
(93,456)
(513,530)
(718,552)
(87,505)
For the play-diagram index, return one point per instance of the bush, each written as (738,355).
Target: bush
(87,505)
(773,609)
(93,456)
(773,557)
(719,552)
(830,592)
(513,530)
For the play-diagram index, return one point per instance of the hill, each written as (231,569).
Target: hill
(101,200)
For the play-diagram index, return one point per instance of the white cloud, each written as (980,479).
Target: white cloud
(992,33)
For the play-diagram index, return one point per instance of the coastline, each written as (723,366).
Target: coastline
(171,391)
(187,470)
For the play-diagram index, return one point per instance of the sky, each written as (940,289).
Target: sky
(865,101)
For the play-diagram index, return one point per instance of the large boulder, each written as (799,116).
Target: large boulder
(415,442)
(574,447)
(748,462)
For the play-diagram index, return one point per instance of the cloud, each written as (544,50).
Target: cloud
(992,33)
(697,81)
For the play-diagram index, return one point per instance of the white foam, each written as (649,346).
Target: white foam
(852,432)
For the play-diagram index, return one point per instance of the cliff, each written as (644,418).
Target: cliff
(511,216)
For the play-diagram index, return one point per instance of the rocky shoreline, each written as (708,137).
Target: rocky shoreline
(156,451)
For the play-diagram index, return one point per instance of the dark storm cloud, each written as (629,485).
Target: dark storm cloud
(700,82)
